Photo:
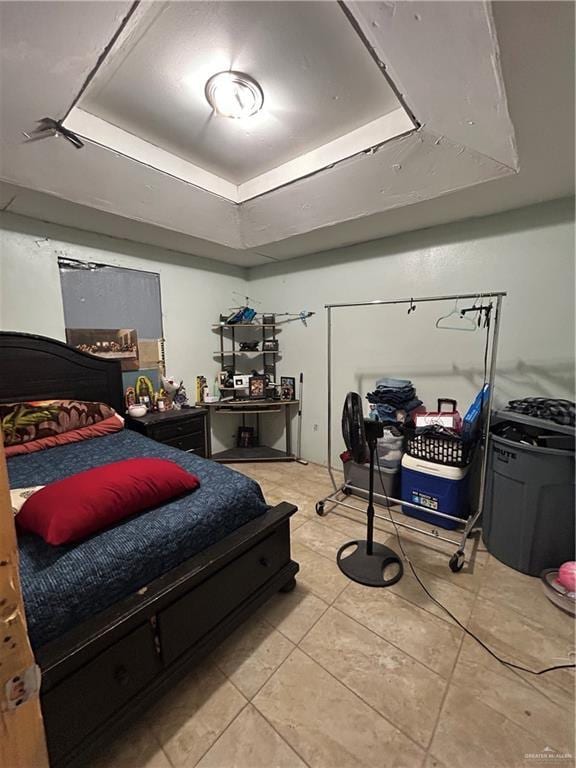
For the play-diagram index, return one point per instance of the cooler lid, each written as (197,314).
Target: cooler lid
(430,468)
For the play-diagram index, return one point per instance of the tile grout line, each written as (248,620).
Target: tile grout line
(498,602)
(447,681)
(144,721)
(474,595)
(272,724)
(451,676)
(366,703)
(468,593)
(264,620)
(365,626)
(217,739)
(484,703)
(358,695)
(386,640)
(312,626)
(402,650)
(521,679)
(392,535)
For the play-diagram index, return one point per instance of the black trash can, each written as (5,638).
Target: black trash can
(528,520)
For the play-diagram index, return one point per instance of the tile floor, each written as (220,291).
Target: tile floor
(335,675)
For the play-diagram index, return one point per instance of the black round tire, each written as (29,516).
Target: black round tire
(320,508)
(346,491)
(456,562)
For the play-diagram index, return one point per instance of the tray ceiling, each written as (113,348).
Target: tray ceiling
(130,81)
(319,82)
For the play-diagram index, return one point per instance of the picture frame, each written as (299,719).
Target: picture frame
(287,387)
(241,381)
(225,379)
(110,343)
(257,387)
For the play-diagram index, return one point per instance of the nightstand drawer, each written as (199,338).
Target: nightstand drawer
(191,443)
(169,430)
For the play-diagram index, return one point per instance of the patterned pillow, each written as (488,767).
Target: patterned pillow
(22,423)
(19,496)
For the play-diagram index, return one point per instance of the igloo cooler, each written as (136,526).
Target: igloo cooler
(437,487)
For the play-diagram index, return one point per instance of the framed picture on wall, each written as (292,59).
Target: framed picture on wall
(287,387)
(109,343)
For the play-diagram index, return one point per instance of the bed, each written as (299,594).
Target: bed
(117,617)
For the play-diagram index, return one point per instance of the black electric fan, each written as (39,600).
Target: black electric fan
(369,561)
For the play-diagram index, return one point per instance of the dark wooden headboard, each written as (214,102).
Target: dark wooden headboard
(39,368)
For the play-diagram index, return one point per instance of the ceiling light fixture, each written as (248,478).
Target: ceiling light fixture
(234,94)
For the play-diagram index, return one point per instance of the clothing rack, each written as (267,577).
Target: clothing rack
(457,560)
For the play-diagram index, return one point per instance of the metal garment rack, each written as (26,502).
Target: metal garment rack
(457,560)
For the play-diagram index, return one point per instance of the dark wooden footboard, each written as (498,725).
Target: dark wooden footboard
(103,672)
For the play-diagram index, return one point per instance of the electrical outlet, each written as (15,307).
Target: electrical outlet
(315,427)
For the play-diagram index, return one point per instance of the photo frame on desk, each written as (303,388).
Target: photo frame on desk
(241,381)
(257,387)
(287,387)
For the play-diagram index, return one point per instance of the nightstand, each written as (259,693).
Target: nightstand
(184,429)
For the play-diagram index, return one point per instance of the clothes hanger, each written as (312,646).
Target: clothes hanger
(465,323)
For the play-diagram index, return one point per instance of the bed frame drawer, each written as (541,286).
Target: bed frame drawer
(180,625)
(86,699)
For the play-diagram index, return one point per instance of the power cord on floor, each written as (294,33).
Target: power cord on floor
(446,610)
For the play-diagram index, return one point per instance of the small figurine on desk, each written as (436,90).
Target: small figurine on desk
(169,389)
(174,394)
(144,391)
(181,398)
(129,397)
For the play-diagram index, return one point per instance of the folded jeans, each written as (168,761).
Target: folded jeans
(387,382)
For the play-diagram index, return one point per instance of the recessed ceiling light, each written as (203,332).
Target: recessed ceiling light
(234,94)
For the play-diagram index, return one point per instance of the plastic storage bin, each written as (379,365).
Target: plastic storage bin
(390,450)
(359,476)
(528,518)
(436,486)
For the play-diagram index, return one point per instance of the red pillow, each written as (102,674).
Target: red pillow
(83,504)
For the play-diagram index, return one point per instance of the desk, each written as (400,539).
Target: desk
(245,407)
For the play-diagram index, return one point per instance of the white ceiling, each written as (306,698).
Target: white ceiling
(464,69)
(318,78)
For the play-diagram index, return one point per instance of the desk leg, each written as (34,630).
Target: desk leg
(288,430)
(208,430)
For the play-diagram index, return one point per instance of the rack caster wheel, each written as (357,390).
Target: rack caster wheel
(320,508)
(346,491)
(456,562)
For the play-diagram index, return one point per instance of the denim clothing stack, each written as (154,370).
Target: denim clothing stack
(391,396)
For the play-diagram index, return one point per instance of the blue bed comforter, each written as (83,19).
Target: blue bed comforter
(65,585)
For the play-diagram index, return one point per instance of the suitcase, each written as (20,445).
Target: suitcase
(445,418)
